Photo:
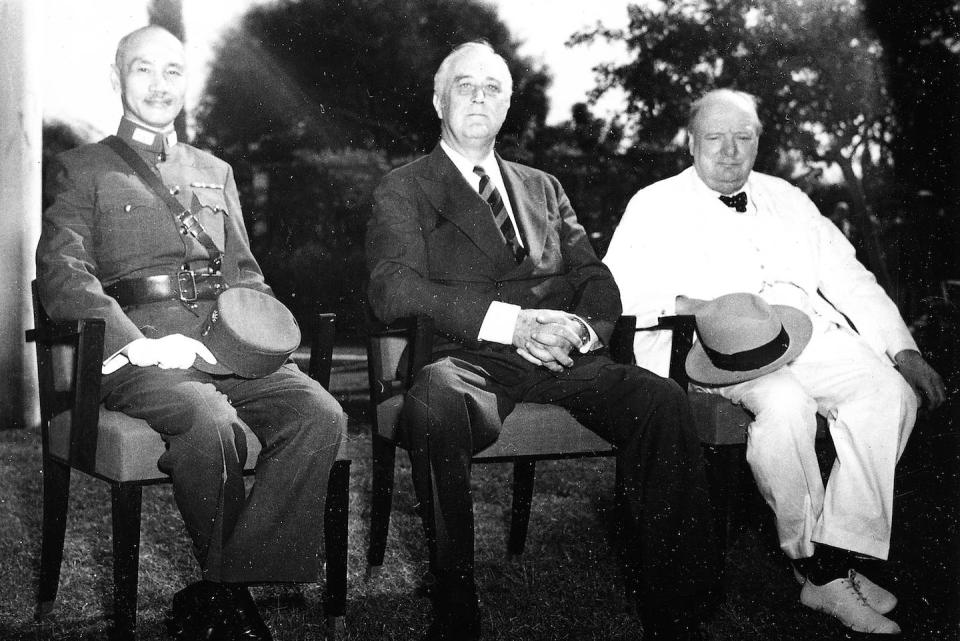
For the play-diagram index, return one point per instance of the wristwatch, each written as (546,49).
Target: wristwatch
(584,331)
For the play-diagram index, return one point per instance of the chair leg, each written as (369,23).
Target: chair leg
(723,473)
(126,502)
(335,536)
(381,501)
(56,494)
(523,475)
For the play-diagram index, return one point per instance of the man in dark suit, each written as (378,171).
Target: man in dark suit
(493,252)
(111,248)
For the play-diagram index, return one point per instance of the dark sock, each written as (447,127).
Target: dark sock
(870,565)
(827,564)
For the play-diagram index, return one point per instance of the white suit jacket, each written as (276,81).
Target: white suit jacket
(676,237)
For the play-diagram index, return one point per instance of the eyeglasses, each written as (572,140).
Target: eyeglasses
(467,88)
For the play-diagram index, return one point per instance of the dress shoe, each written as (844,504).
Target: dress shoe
(843,599)
(247,624)
(455,624)
(879,599)
(201,612)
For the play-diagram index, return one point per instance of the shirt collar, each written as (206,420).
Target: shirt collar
(147,139)
(701,187)
(465,165)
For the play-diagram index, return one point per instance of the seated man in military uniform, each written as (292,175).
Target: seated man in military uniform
(114,248)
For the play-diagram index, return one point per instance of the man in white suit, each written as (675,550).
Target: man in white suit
(719,227)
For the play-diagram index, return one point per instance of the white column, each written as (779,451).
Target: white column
(20,156)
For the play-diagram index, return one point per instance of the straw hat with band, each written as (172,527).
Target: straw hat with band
(742,337)
(251,333)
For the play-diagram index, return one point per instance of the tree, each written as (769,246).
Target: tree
(921,42)
(815,68)
(169,15)
(312,101)
(350,74)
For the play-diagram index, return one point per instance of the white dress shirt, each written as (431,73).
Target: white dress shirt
(501,318)
(677,238)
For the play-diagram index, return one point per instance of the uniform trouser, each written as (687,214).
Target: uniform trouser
(870,410)
(456,407)
(275,532)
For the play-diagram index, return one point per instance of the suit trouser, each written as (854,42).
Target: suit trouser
(456,407)
(275,532)
(870,409)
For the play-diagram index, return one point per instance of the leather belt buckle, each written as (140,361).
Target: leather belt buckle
(187,284)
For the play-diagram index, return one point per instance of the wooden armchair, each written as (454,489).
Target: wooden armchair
(78,433)
(721,424)
(561,436)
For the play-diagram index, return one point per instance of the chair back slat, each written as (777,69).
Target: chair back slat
(321,349)
(387,351)
(69,357)
(63,361)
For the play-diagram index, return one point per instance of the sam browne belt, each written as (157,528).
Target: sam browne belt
(184,286)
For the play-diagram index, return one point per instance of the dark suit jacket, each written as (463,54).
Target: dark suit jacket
(105,224)
(434,249)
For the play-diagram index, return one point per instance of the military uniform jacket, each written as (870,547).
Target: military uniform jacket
(433,248)
(105,225)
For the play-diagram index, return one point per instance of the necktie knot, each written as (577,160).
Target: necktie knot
(737,201)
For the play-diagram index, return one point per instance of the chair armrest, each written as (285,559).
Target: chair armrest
(416,334)
(321,349)
(57,331)
(621,340)
(83,399)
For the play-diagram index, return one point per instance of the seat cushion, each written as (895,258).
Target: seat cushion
(537,430)
(718,421)
(127,449)
(531,429)
(721,422)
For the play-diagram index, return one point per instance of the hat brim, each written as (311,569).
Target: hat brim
(217,368)
(799,328)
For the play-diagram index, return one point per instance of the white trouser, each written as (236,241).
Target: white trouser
(870,409)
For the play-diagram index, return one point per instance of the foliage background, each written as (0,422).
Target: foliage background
(313,101)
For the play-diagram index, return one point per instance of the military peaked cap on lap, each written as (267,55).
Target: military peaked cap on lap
(251,333)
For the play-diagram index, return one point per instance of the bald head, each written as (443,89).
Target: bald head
(131,40)
(150,74)
(724,135)
(725,99)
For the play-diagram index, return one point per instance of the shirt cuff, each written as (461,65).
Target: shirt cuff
(593,343)
(499,323)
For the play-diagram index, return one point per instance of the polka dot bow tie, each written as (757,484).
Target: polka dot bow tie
(737,201)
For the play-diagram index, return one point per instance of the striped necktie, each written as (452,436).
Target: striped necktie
(500,215)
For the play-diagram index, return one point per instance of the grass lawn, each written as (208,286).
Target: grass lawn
(567,586)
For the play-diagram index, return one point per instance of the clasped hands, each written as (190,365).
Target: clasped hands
(175,351)
(546,337)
